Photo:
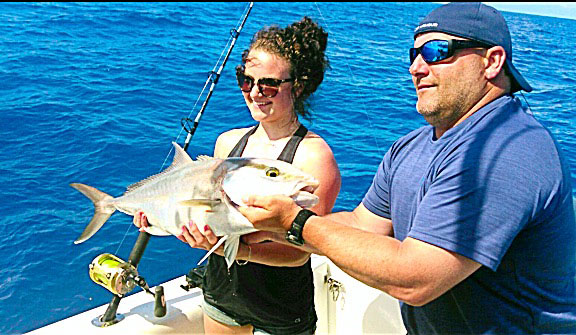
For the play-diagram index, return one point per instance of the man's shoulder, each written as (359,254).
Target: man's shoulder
(415,135)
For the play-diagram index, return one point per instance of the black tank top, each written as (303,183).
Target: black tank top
(279,300)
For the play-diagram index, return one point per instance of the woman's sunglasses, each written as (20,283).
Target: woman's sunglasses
(437,50)
(268,87)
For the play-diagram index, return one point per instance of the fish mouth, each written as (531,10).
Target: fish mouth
(231,202)
(303,196)
(310,188)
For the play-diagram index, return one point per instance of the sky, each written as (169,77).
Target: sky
(565,10)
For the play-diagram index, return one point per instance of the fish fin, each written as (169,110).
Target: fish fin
(231,249)
(216,246)
(102,210)
(203,158)
(180,158)
(231,243)
(153,230)
(200,202)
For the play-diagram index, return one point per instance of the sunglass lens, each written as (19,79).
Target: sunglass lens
(431,51)
(413,54)
(434,51)
(268,91)
(245,83)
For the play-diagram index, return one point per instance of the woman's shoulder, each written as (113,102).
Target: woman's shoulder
(315,157)
(314,152)
(234,134)
(227,140)
(314,146)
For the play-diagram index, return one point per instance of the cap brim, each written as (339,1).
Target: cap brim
(519,82)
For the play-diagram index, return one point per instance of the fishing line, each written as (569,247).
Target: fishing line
(208,80)
(351,74)
(128,229)
(212,80)
(213,77)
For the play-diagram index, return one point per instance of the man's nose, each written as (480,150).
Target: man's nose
(418,66)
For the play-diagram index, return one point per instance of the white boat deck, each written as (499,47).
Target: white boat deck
(353,309)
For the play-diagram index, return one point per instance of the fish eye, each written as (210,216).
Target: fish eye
(272,172)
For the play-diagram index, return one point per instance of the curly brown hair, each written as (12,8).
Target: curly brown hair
(303,45)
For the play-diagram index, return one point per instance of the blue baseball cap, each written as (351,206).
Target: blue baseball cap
(478,22)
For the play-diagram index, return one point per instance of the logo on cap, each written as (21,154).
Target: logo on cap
(426,25)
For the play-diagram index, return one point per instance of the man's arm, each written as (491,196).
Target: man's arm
(360,218)
(412,271)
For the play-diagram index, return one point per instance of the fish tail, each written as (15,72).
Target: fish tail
(102,210)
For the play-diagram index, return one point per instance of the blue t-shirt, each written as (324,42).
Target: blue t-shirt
(497,190)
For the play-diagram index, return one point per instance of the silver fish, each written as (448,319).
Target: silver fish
(207,191)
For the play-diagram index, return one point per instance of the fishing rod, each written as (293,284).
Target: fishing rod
(121,277)
(212,77)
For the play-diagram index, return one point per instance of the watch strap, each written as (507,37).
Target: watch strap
(294,235)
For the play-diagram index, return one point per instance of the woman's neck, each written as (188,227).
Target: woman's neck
(273,131)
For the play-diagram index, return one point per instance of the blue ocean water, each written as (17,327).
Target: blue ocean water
(94,93)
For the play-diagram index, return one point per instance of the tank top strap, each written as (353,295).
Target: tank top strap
(289,151)
(241,145)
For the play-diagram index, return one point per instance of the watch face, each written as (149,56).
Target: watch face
(293,239)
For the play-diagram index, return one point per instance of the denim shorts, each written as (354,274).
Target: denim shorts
(216,314)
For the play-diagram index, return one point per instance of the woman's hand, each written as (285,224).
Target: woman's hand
(140,220)
(192,235)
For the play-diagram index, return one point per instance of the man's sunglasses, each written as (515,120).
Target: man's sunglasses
(268,87)
(438,50)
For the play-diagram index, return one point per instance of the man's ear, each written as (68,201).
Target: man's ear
(495,60)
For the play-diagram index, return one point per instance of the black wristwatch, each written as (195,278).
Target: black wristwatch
(294,235)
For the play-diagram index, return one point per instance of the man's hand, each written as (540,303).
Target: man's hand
(262,236)
(271,213)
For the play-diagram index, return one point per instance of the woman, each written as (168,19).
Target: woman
(270,288)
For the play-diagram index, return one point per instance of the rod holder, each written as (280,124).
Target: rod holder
(110,317)
(159,302)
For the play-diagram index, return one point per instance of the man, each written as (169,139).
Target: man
(469,221)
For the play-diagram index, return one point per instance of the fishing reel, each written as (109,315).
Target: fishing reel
(120,277)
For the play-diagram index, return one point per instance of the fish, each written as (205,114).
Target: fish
(207,191)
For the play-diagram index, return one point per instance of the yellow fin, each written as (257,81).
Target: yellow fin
(199,202)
